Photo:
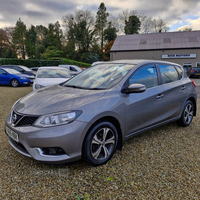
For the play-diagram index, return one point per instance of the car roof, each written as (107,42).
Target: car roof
(5,68)
(51,67)
(12,66)
(138,61)
(67,65)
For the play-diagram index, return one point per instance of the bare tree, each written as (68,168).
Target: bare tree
(69,20)
(147,25)
(122,18)
(84,15)
(160,25)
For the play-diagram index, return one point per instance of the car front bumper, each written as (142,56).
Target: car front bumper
(32,141)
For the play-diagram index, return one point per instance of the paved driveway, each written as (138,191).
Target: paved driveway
(159,164)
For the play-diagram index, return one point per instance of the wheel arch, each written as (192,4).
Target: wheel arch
(115,122)
(13,78)
(193,100)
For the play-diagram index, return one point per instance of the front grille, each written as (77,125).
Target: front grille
(27,121)
(22,120)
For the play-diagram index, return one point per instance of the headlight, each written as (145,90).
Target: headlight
(37,86)
(23,78)
(57,119)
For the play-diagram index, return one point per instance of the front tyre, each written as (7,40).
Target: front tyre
(187,114)
(100,143)
(14,82)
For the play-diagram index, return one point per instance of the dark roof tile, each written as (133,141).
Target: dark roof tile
(187,39)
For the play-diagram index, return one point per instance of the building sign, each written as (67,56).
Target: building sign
(179,55)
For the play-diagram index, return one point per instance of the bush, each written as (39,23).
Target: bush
(64,61)
(38,63)
(29,63)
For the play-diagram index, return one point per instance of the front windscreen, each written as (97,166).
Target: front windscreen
(102,76)
(53,73)
(26,68)
(12,71)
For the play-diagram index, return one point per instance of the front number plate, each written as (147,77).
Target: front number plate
(12,134)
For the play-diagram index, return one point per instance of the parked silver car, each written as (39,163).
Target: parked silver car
(74,70)
(91,115)
(50,75)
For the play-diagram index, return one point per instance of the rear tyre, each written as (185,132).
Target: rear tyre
(14,82)
(187,114)
(100,143)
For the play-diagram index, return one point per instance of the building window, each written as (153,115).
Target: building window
(187,67)
(198,65)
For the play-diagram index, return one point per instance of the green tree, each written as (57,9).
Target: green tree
(110,33)
(101,22)
(132,26)
(3,46)
(31,37)
(41,41)
(79,33)
(41,35)
(51,52)
(19,37)
(54,35)
(83,36)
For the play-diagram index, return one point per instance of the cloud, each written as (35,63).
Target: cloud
(43,12)
(194,24)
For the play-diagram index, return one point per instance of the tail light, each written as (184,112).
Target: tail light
(194,84)
(192,71)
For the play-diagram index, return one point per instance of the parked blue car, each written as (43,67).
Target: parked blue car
(14,78)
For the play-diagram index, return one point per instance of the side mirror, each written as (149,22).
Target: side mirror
(4,73)
(134,88)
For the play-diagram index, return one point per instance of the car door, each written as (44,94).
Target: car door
(175,89)
(147,108)
(4,79)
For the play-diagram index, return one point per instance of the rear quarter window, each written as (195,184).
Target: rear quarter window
(180,71)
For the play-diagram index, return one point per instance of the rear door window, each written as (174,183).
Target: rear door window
(169,73)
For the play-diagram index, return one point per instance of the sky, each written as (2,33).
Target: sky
(178,13)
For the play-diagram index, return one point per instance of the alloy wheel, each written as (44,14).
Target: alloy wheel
(103,143)
(188,113)
(15,83)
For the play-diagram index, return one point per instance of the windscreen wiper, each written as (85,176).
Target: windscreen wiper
(74,86)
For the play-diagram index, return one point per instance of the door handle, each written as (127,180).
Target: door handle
(160,96)
(183,87)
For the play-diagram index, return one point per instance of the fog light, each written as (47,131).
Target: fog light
(53,151)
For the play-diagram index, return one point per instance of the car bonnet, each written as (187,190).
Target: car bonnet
(56,99)
(50,81)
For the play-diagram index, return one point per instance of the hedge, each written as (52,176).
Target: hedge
(39,63)
(64,61)
(28,63)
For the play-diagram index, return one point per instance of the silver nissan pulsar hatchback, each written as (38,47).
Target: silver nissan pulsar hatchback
(92,114)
